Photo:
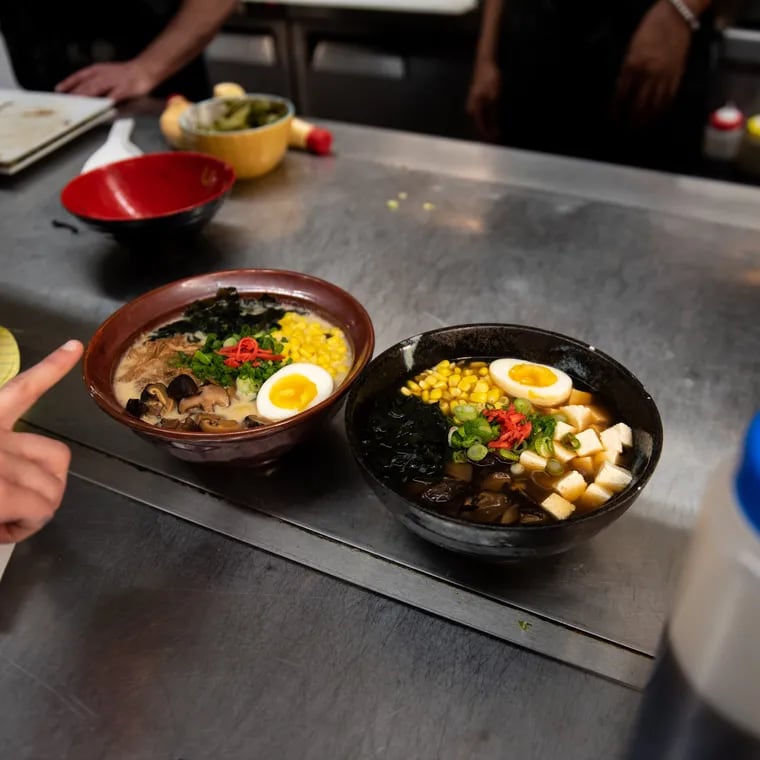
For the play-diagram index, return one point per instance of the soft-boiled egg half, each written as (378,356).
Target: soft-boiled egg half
(293,389)
(539,384)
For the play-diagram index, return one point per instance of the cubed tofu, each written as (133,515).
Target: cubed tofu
(560,508)
(612,477)
(578,416)
(624,433)
(611,439)
(613,457)
(580,397)
(563,453)
(594,496)
(532,461)
(600,415)
(570,486)
(562,430)
(589,443)
(585,466)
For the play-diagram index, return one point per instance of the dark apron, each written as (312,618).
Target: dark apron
(58,37)
(561,60)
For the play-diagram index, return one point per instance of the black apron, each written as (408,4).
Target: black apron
(561,60)
(58,37)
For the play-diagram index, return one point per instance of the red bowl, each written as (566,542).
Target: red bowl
(152,194)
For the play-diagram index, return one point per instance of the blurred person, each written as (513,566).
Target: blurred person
(616,80)
(33,468)
(117,50)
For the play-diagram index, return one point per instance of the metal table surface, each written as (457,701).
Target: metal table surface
(127,634)
(661,272)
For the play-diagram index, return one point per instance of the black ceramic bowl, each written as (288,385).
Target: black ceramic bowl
(590,369)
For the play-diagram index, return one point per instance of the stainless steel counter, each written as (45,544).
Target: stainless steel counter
(661,272)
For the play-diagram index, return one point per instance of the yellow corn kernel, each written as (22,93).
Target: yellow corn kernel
(456,392)
(444,407)
(406,392)
(481,387)
(493,395)
(467,372)
(446,394)
(478,397)
(426,396)
(483,371)
(436,394)
(440,384)
(454,380)
(423,384)
(477,365)
(413,386)
(467,382)
(445,372)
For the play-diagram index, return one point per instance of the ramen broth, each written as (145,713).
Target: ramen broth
(256,362)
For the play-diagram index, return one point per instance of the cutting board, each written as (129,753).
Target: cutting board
(33,121)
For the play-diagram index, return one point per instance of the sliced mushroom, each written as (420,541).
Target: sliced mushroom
(208,425)
(181,387)
(157,397)
(251,421)
(495,481)
(208,399)
(136,408)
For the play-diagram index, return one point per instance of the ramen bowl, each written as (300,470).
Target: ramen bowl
(589,368)
(258,446)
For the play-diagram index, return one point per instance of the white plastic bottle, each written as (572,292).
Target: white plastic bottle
(703,701)
(724,133)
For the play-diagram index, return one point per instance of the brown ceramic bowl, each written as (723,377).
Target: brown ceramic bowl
(259,446)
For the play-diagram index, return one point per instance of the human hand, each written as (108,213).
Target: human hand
(483,99)
(653,66)
(33,468)
(118,81)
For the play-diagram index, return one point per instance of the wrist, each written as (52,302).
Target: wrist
(683,12)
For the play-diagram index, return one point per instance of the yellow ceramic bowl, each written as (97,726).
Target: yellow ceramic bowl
(250,152)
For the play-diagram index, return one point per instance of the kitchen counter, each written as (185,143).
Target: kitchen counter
(126,632)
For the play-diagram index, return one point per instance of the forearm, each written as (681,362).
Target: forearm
(490,31)
(185,37)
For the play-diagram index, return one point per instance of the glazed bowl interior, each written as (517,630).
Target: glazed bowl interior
(254,446)
(590,370)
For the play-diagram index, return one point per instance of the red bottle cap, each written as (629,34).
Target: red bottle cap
(319,141)
(726,118)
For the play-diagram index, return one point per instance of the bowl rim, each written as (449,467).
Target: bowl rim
(184,117)
(618,500)
(229,181)
(114,410)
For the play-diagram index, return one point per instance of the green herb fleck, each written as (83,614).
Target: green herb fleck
(525,625)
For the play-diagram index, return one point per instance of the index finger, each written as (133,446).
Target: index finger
(20,393)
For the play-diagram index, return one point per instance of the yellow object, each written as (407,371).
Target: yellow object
(293,392)
(533,374)
(309,340)
(169,122)
(753,126)
(249,153)
(450,384)
(228,90)
(10,358)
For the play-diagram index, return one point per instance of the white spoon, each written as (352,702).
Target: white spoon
(116,148)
